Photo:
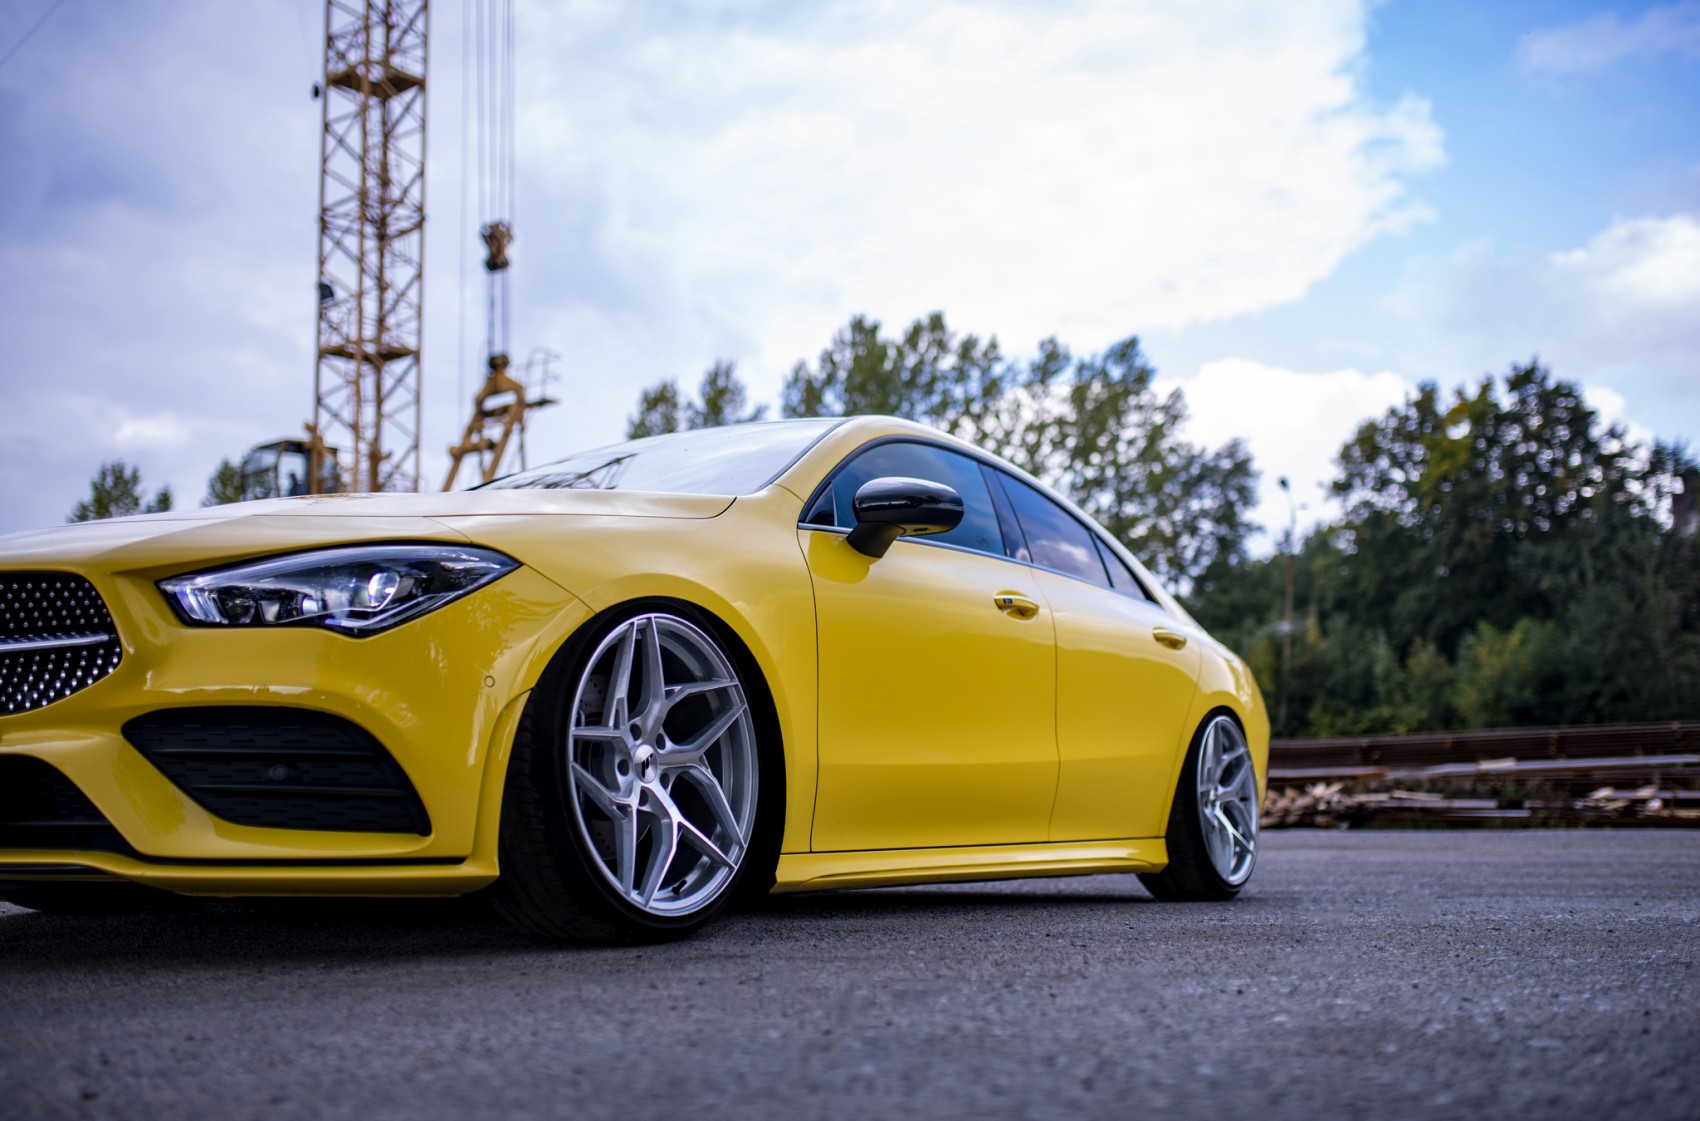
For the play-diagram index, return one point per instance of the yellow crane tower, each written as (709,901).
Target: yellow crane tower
(371,245)
(364,434)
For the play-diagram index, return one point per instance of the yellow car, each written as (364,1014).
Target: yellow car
(619,690)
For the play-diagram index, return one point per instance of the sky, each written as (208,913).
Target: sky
(1303,209)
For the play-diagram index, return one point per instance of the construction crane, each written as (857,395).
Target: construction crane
(364,434)
(502,402)
(371,247)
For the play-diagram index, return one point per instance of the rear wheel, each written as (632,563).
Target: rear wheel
(1212,834)
(630,812)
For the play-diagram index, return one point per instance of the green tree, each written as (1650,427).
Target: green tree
(1092,427)
(1507,678)
(116,492)
(1505,559)
(1447,504)
(658,411)
(929,373)
(722,398)
(226,485)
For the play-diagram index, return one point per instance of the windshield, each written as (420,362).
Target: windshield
(738,459)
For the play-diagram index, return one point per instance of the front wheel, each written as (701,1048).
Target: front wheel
(632,796)
(1212,835)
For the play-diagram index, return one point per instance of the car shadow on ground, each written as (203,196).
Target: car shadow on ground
(910,901)
(258,931)
(294,931)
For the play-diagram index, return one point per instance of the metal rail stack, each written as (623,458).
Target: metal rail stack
(1621,775)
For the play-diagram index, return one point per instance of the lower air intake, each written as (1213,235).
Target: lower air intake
(42,809)
(281,768)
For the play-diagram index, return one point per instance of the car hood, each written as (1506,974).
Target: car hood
(245,529)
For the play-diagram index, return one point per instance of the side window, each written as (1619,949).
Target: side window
(979,529)
(1053,535)
(1014,544)
(1122,578)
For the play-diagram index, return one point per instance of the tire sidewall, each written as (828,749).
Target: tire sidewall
(548,714)
(1189,817)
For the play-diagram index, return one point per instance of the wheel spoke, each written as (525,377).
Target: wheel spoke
(605,799)
(620,680)
(1235,764)
(692,750)
(689,833)
(677,693)
(1237,836)
(654,685)
(664,843)
(600,733)
(1207,766)
(1214,840)
(625,849)
(709,787)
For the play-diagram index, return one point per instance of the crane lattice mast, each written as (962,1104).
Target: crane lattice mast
(371,246)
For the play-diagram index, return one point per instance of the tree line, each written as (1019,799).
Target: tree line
(1503,557)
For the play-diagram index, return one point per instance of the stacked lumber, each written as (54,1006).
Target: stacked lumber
(1629,775)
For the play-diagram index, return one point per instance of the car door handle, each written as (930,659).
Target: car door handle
(1174,640)
(1016,604)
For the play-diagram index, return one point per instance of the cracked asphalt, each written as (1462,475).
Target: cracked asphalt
(1393,975)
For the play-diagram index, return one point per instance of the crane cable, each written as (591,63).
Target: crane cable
(465,171)
(30,34)
(493,47)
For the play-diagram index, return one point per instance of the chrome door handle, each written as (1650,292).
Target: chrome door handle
(1016,604)
(1174,640)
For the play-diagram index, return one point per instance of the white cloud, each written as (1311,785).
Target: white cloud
(697,181)
(1087,169)
(1294,423)
(1605,40)
(1618,312)
(1638,267)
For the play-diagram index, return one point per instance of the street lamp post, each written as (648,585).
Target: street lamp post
(1287,617)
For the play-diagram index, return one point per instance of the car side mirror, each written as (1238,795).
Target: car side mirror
(887,509)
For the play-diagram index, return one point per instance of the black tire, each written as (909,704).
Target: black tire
(1194,874)
(559,851)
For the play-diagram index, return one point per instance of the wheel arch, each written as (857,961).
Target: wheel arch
(551,657)
(1225,687)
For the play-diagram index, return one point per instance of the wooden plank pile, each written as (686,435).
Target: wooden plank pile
(1619,775)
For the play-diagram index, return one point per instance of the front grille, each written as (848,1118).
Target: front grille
(42,809)
(281,768)
(56,638)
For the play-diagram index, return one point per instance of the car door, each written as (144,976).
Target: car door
(937,672)
(1126,674)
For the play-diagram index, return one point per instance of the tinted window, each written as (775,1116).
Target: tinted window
(1054,537)
(1014,544)
(1122,578)
(738,459)
(979,529)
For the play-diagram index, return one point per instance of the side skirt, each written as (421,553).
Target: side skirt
(826,871)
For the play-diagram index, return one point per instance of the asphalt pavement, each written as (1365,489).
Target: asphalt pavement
(1363,974)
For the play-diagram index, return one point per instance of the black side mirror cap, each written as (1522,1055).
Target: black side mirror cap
(887,509)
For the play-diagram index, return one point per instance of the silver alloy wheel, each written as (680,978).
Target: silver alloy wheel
(1227,800)
(662,773)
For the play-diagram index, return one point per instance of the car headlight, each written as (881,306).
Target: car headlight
(357,590)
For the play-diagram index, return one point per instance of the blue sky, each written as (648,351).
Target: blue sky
(1302,208)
